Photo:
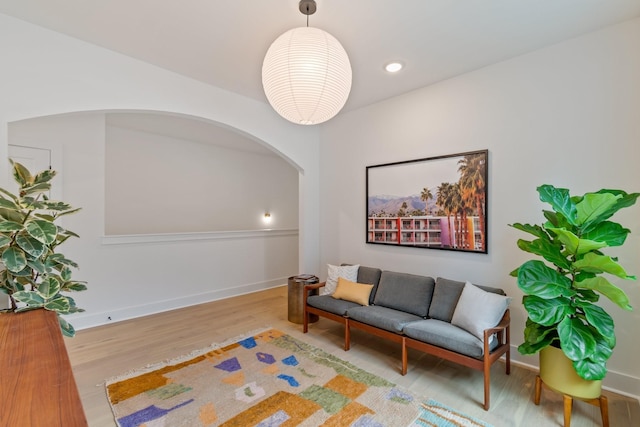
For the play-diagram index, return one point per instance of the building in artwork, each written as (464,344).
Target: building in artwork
(426,231)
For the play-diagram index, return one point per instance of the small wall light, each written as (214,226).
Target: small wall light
(267,218)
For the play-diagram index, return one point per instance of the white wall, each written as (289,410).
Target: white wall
(45,73)
(161,184)
(566,115)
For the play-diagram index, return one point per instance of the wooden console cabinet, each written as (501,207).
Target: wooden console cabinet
(37,387)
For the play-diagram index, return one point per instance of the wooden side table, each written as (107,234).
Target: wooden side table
(295,297)
(568,404)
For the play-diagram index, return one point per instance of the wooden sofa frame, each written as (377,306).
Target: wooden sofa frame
(501,330)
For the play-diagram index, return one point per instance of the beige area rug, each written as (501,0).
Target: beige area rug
(269,379)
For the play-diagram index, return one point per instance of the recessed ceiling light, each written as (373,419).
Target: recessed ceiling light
(393,67)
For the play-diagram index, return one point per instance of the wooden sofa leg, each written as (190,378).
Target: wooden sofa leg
(487,383)
(404,356)
(347,335)
(305,322)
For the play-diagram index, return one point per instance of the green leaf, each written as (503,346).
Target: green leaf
(624,201)
(9,226)
(595,208)
(587,295)
(75,286)
(536,230)
(8,194)
(606,288)
(42,230)
(4,240)
(49,287)
(67,329)
(594,263)
(610,232)
(65,273)
(602,322)
(25,272)
(44,176)
(9,204)
(547,250)
(560,200)
(575,245)
(547,312)
(32,298)
(59,304)
(33,247)
(536,337)
(590,370)
(59,259)
(14,259)
(36,188)
(576,339)
(37,265)
(21,174)
(535,278)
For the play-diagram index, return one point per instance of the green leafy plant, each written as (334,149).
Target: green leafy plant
(32,273)
(561,300)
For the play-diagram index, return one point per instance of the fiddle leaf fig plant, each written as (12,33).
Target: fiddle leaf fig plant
(563,289)
(32,273)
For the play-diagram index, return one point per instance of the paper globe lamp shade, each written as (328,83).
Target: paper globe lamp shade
(306,75)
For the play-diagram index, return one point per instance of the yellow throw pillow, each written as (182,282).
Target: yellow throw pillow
(352,291)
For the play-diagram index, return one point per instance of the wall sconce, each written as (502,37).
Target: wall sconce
(267,218)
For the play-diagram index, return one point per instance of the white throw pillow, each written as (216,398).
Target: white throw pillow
(478,310)
(349,272)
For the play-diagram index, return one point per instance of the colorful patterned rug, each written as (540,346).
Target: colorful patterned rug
(269,379)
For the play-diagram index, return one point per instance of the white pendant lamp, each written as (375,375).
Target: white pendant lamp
(306,73)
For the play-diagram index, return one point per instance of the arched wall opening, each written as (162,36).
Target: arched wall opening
(99,153)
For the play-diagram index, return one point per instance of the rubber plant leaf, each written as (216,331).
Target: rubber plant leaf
(14,259)
(44,231)
(32,246)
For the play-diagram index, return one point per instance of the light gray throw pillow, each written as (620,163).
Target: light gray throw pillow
(478,310)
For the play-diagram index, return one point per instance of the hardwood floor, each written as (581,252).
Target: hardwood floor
(100,353)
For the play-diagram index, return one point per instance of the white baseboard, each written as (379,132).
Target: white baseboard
(89,320)
(616,382)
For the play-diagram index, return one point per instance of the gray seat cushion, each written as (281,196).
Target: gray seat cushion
(382,317)
(446,295)
(330,304)
(445,335)
(405,292)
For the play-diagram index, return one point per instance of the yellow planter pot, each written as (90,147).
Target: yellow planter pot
(556,371)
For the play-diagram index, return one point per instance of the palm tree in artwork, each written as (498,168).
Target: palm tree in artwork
(445,200)
(426,195)
(472,186)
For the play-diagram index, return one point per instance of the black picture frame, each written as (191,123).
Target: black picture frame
(431,203)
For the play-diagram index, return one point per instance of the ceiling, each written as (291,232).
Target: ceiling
(223,42)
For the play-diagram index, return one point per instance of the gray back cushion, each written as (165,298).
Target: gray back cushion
(369,276)
(446,295)
(406,292)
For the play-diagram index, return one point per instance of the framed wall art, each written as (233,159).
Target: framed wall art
(434,203)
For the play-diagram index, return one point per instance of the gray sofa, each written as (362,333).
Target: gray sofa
(428,315)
